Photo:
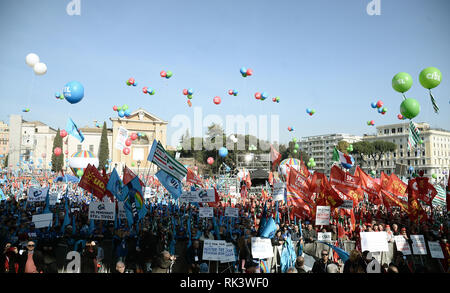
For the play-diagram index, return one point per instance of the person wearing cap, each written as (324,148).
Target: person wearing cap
(389,233)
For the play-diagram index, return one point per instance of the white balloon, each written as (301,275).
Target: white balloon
(32,59)
(40,68)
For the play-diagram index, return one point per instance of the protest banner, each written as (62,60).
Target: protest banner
(348,205)
(278,191)
(211,249)
(418,245)
(200,195)
(102,211)
(324,236)
(402,245)
(261,248)
(148,193)
(229,255)
(121,214)
(435,249)
(231,212)
(37,194)
(205,212)
(122,136)
(323,215)
(52,199)
(374,241)
(42,220)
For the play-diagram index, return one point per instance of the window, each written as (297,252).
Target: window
(395,155)
(409,154)
(425,171)
(409,162)
(79,148)
(393,130)
(399,130)
(423,162)
(401,146)
(423,153)
(386,131)
(401,154)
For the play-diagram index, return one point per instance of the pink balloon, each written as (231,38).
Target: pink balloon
(379,104)
(249,72)
(63,133)
(57,151)
(210,160)
(163,73)
(115,108)
(126,151)
(372,122)
(133,136)
(66,152)
(258,95)
(131,80)
(144,89)
(400,116)
(230,92)
(185,92)
(128,142)
(217,100)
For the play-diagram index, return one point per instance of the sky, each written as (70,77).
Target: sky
(327,55)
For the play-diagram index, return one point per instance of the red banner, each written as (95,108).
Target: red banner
(390,200)
(396,186)
(425,190)
(370,186)
(384,181)
(416,212)
(298,194)
(346,184)
(192,178)
(128,175)
(93,182)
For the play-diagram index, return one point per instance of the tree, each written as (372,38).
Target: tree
(103,149)
(361,150)
(342,146)
(57,161)
(374,150)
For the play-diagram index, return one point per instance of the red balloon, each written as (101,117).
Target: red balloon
(379,104)
(133,136)
(66,152)
(230,92)
(126,151)
(249,72)
(185,92)
(115,108)
(128,142)
(400,116)
(382,113)
(131,80)
(274,99)
(258,95)
(372,122)
(163,74)
(63,133)
(210,160)
(189,103)
(57,151)
(217,100)
(144,89)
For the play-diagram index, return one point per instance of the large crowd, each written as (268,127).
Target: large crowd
(170,237)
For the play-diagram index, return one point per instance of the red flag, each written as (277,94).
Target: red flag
(390,200)
(271,178)
(396,186)
(192,178)
(346,184)
(248,181)
(425,190)
(384,181)
(416,212)
(93,182)
(369,185)
(275,156)
(128,175)
(298,194)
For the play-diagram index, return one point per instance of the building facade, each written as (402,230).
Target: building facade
(4,139)
(433,157)
(320,147)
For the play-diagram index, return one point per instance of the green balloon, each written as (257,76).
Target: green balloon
(296,146)
(309,164)
(294,139)
(421,141)
(430,77)
(402,82)
(410,108)
(434,176)
(125,107)
(169,74)
(384,109)
(189,96)
(295,151)
(311,159)
(152,92)
(313,111)
(313,164)
(373,173)
(128,83)
(132,164)
(414,175)
(80,173)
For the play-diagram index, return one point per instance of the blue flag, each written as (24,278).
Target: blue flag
(344,255)
(134,202)
(269,229)
(47,203)
(116,187)
(66,212)
(73,130)
(172,184)
(288,255)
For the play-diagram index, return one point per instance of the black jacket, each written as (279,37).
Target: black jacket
(38,260)
(320,266)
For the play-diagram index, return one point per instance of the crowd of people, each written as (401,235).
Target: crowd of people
(170,237)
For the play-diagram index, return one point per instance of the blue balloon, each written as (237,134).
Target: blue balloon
(243,70)
(57,94)
(127,112)
(135,84)
(18,164)
(308,110)
(73,92)
(235,92)
(411,168)
(121,113)
(190,91)
(380,110)
(264,96)
(374,105)
(223,152)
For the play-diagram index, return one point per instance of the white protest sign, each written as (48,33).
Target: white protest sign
(418,245)
(201,195)
(324,236)
(261,248)
(402,245)
(221,249)
(121,214)
(205,212)
(374,241)
(102,211)
(148,193)
(37,194)
(52,198)
(435,249)
(42,220)
(231,212)
(323,215)
(211,250)
(233,190)
(229,253)
(348,205)
(122,136)
(278,191)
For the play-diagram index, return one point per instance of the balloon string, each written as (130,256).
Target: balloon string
(404,97)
